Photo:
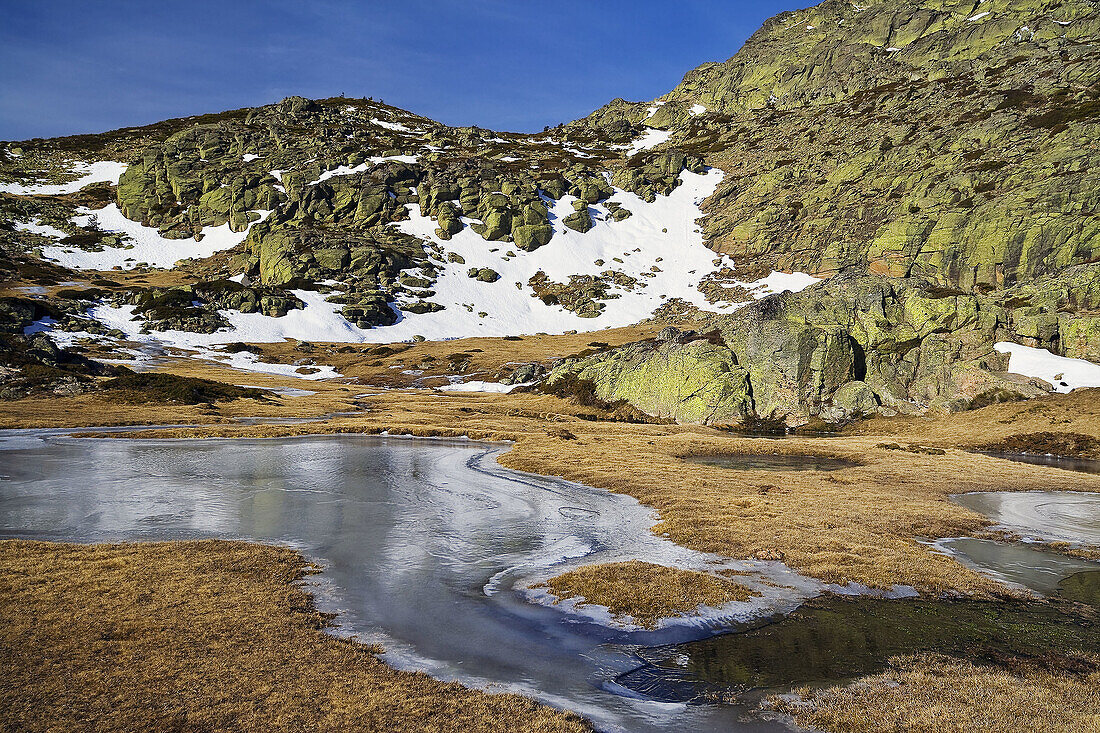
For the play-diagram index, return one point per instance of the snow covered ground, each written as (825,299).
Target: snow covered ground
(35,226)
(318,321)
(148,246)
(664,233)
(361,168)
(477,386)
(651,139)
(104,170)
(660,245)
(1064,373)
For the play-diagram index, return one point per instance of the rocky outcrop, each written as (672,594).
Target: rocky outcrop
(650,173)
(198,307)
(583,294)
(683,378)
(849,347)
(35,365)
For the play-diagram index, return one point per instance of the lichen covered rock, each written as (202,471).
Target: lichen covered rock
(690,381)
(846,348)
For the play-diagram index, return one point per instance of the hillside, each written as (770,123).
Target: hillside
(933,160)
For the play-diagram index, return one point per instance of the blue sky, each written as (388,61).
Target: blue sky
(71,66)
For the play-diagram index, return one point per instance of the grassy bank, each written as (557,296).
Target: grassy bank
(932,693)
(190,636)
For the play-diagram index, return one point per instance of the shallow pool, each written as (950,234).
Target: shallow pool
(427,547)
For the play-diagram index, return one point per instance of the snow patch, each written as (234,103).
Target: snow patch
(148,245)
(397,126)
(650,139)
(361,168)
(247,362)
(1064,373)
(34,226)
(979,16)
(481,387)
(104,170)
(697,109)
(782,282)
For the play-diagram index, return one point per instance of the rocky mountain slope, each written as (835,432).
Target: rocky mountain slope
(933,159)
(949,146)
(953,141)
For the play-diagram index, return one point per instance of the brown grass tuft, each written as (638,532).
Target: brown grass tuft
(1072,445)
(645,591)
(931,693)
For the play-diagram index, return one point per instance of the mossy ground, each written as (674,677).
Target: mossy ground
(144,387)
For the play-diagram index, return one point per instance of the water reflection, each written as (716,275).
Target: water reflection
(832,640)
(423,545)
(772,462)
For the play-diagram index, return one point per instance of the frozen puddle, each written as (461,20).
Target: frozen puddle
(1047,516)
(1053,516)
(427,548)
(1017,565)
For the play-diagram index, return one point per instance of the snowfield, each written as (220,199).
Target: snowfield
(660,245)
(148,246)
(1064,373)
(104,170)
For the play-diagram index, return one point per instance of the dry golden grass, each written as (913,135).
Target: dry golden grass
(363,371)
(858,524)
(124,279)
(205,636)
(1076,412)
(475,358)
(644,591)
(97,409)
(937,694)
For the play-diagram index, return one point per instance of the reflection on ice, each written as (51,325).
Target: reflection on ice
(1049,516)
(1056,516)
(427,547)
